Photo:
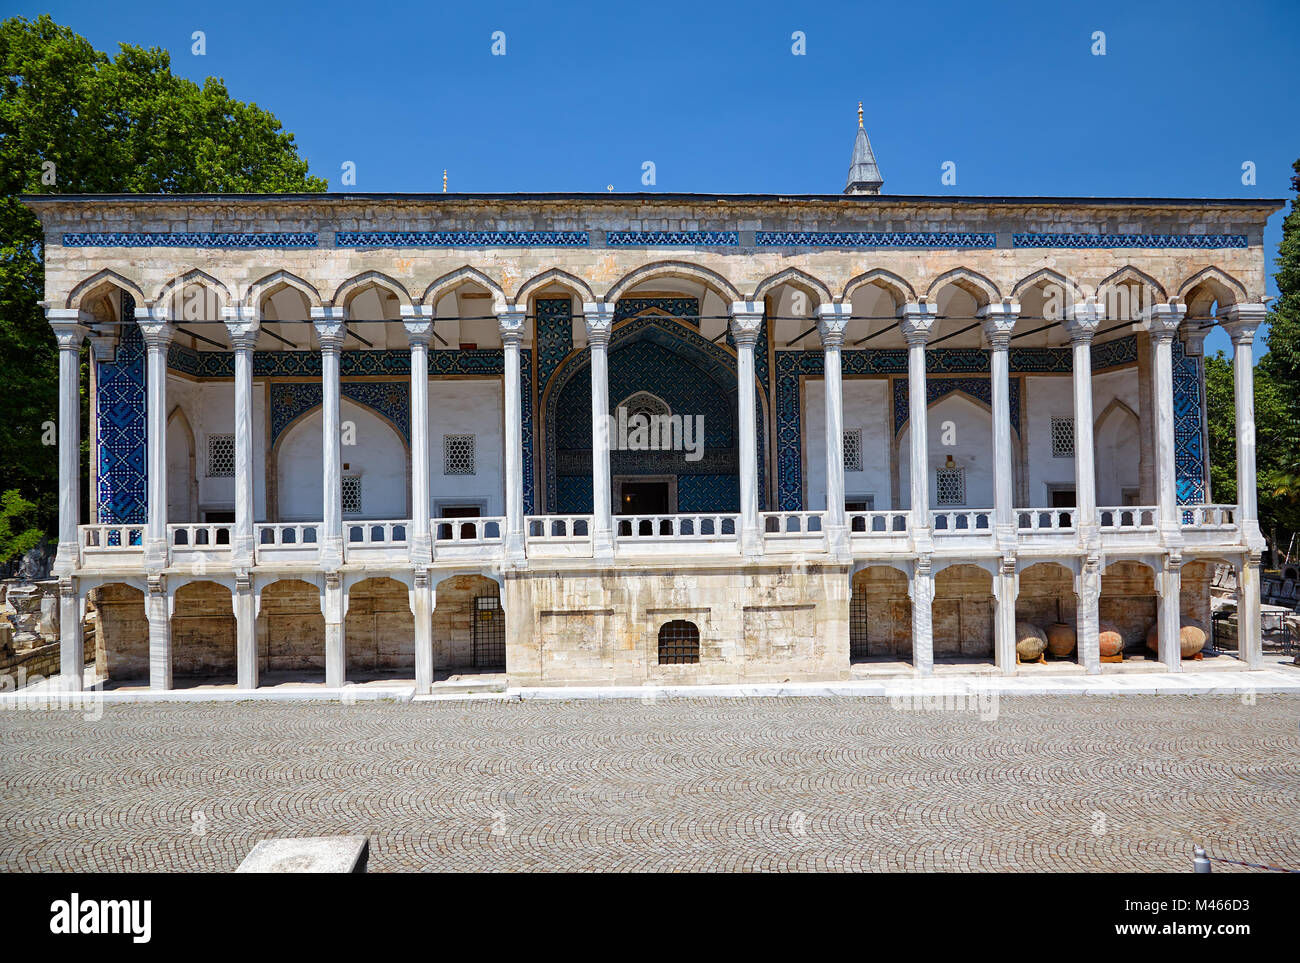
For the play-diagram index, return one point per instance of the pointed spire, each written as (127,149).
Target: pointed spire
(864,174)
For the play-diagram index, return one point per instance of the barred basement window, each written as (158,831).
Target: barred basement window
(1062,437)
(351,495)
(458,454)
(950,486)
(221,455)
(853,449)
(679,643)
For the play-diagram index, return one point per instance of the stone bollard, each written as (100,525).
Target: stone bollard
(1200,861)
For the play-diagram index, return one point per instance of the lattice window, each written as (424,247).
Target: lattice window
(643,403)
(950,486)
(351,495)
(853,449)
(1062,437)
(458,454)
(679,643)
(221,455)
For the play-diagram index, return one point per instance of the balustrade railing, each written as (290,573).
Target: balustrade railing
(879,523)
(792,523)
(109,538)
(557,528)
(287,535)
(1135,518)
(685,527)
(376,533)
(977,522)
(1209,516)
(207,535)
(1045,519)
(468,531)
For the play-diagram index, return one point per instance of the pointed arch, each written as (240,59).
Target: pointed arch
(984,291)
(77,296)
(178,419)
(898,288)
(1073,293)
(673,269)
(1130,274)
(462,275)
(795,278)
(1116,405)
(273,282)
(1225,288)
(197,277)
(354,285)
(574,285)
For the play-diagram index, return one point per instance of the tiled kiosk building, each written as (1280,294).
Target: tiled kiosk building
(343,433)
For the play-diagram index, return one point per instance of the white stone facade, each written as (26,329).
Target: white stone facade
(880,297)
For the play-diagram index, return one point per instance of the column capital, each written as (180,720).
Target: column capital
(155,329)
(599,319)
(746,320)
(418,321)
(1162,320)
(999,320)
(242,325)
(71,326)
(510,322)
(1083,318)
(1242,320)
(916,320)
(832,319)
(331,327)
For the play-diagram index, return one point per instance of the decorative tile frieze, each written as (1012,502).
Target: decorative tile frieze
(672,238)
(1129,240)
(462,239)
(962,239)
(121,408)
(203,239)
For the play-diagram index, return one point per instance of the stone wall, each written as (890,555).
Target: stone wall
(453,619)
(963,612)
(767,623)
(1128,601)
(121,632)
(887,621)
(291,628)
(379,632)
(1046,595)
(203,631)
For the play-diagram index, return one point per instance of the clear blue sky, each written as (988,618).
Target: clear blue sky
(712,94)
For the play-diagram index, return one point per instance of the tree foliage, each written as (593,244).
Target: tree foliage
(98,125)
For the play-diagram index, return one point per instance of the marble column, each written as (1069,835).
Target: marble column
(157,333)
(242,326)
(244,602)
(831,321)
(916,321)
(422,608)
(1241,321)
(418,321)
(599,318)
(511,325)
(1081,322)
(158,615)
(331,329)
(1162,323)
(70,329)
(921,586)
(746,322)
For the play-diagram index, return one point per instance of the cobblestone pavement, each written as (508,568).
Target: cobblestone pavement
(1052,783)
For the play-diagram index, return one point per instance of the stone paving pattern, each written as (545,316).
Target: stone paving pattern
(1053,783)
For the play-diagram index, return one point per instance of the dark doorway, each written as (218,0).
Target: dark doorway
(489,633)
(644,498)
(1062,498)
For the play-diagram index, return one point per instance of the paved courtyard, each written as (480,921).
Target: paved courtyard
(1051,783)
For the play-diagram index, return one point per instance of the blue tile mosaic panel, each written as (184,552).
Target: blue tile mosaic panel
(121,409)
(672,238)
(960,239)
(1189,438)
(292,399)
(462,239)
(1129,240)
(207,239)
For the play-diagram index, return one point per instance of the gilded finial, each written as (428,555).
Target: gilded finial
(859,113)
(444,180)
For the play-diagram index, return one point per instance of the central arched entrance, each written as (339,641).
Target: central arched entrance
(674,442)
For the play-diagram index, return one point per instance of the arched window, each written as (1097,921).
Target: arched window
(643,403)
(679,643)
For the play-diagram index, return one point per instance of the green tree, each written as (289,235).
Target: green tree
(90,124)
(18,532)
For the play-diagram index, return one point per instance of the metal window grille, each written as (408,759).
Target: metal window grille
(1062,437)
(351,495)
(950,486)
(458,454)
(489,633)
(679,643)
(853,449)
(858,625)
(221,455)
